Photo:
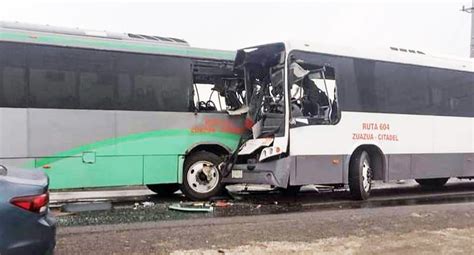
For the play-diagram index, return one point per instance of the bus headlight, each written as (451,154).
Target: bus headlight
(269,152)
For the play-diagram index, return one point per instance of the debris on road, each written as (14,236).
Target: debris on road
(147,204)
(135,206)
(222,204)
(192,207)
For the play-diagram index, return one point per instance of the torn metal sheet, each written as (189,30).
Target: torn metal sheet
(192,207)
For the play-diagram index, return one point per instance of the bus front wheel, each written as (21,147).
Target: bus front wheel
(201,177)
(360,175)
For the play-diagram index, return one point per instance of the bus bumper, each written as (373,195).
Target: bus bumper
(275,172)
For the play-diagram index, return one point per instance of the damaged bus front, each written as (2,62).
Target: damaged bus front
(280,91)
(294,94)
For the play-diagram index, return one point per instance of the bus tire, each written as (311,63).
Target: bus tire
(434,182)
(360,176)
(201,177)
(167,189)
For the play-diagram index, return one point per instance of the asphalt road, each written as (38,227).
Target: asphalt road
(405,229)
(257,201)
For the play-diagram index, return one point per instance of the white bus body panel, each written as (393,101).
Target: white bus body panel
(13,133)
(416,134)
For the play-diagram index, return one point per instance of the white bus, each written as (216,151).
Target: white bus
(329,115)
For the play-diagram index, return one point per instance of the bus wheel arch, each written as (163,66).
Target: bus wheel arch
(165,189)
(377,158)
(218,149)
(367,163)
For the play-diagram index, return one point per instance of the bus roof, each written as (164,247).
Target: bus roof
(389,54)
(103,40)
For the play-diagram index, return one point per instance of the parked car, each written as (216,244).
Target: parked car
(26,225)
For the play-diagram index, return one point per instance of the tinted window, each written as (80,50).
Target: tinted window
(364,71)
(452,92)
(52,82)
(13,75)
(56,77)
(97,78)
(158,82)
(401,88)
(377,86)
(97,90)
(13,87)
(52,89)
(124,91)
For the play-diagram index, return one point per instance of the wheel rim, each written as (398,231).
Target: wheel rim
(202,176)
(366,175)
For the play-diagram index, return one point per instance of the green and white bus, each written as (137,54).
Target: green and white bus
(99,109)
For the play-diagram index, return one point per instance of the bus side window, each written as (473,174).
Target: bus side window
(208,99)
(13,80)
(314,97)
(13,83)
(52,88)
(96,90)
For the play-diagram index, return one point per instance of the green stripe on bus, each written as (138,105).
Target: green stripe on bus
(113,44)
(136,159)
(171,147)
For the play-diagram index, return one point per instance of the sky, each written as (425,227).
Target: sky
(433,26)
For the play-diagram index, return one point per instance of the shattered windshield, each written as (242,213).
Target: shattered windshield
(267,95)
(264,73)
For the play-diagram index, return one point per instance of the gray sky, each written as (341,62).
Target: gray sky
(436,26)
